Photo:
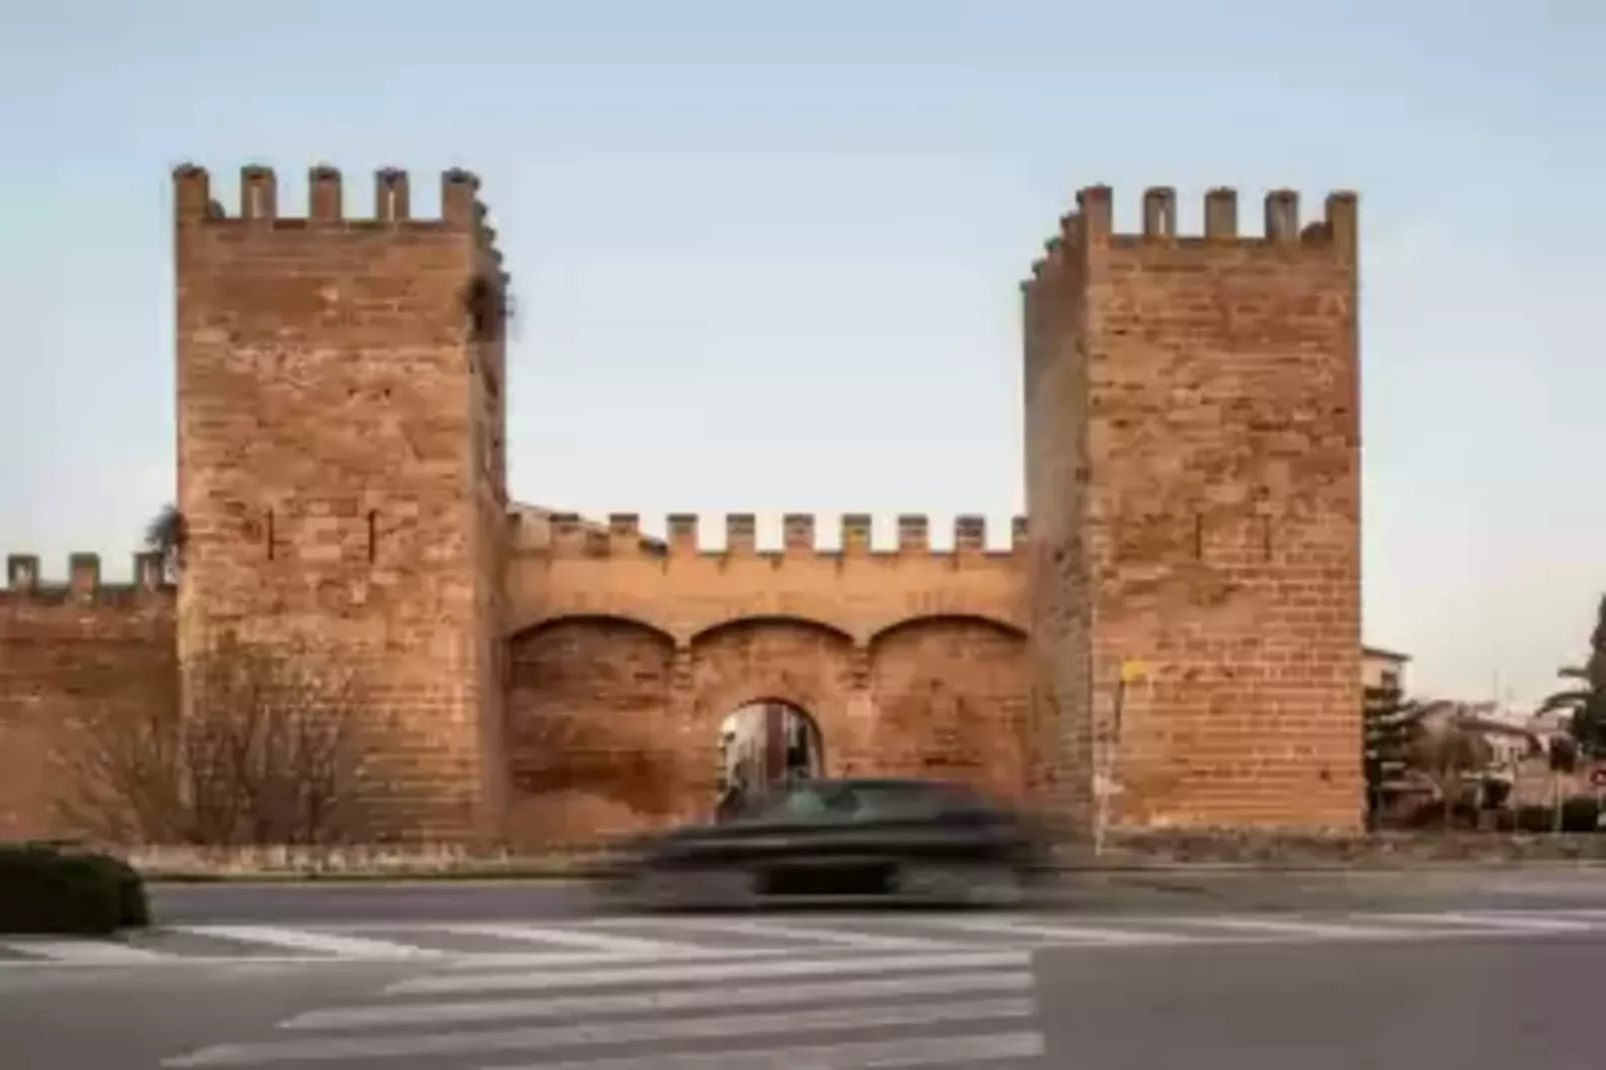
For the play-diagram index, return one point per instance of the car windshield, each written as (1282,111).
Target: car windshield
(859,802)
(809,802)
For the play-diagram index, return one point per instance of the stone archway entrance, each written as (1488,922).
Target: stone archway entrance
(765,744)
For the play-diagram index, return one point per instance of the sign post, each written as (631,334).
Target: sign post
(1106,741)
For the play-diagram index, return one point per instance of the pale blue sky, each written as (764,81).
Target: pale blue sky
(767,253)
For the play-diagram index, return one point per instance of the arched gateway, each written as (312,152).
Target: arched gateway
(634,657)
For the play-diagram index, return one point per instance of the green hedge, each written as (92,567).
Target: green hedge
(49,889)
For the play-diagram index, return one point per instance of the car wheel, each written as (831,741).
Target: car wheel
(961,884)
(695,889)
(996,886)
(930,882)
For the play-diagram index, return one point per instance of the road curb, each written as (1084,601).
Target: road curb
(570,878)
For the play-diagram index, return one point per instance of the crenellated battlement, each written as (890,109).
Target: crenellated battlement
(1092,224)
(24,581)
(461,207)
(570,535)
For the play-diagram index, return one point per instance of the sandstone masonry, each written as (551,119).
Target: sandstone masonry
(1193,487)
(1193,477)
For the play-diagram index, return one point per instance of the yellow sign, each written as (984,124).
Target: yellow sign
(1133,671)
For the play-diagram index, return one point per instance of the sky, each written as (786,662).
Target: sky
(766,254)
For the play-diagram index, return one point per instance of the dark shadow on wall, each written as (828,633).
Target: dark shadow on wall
(953,700)
(588,704)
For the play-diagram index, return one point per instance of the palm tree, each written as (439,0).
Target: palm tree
(166,535)
(1585,699)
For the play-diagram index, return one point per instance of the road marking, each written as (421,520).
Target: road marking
(833,936)
(1077,934)
(479,960)
(659,1001)
(1282,927)
(867,1055)
(326,943)
(584,943)
(771,967)
(586,938)
(722,1027)
(1498,921)
(82,952)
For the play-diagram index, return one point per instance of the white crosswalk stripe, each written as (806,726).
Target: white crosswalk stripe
(1282,927)
(1045,931)
(702,1015)
(326,943)
(770,968)
(585,939)
(668,1000)
(810,934)
(82,952)
(668,940)
(1510,921)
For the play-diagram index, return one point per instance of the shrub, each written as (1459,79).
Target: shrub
(46,889)
(1579,813)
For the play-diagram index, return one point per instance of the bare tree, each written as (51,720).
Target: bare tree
(261,748)
(1448,751)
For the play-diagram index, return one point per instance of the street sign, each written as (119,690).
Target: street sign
(1105,785)
(1133,671)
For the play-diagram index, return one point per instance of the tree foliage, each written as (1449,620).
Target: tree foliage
(259,749)
(166,534)
(1389,731)
(1584,700)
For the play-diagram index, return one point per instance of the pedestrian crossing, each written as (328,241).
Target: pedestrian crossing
(584,941)
(836,1009)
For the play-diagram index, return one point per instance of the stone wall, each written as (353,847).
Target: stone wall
(339,463)
(66,652)
(1192,471)
(629,654)
(1201,505)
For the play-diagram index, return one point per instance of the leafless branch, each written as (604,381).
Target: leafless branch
(263,748)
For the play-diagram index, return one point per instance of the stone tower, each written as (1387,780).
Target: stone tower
(341,390)
(1193,482)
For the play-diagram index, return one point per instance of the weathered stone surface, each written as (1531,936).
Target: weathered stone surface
(338,468)
(1194,485)
(66,654)
(1192,479)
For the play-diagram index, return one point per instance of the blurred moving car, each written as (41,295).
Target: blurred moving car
(923,840)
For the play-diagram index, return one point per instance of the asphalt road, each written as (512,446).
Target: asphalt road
(1530,1002)
(1475,971)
